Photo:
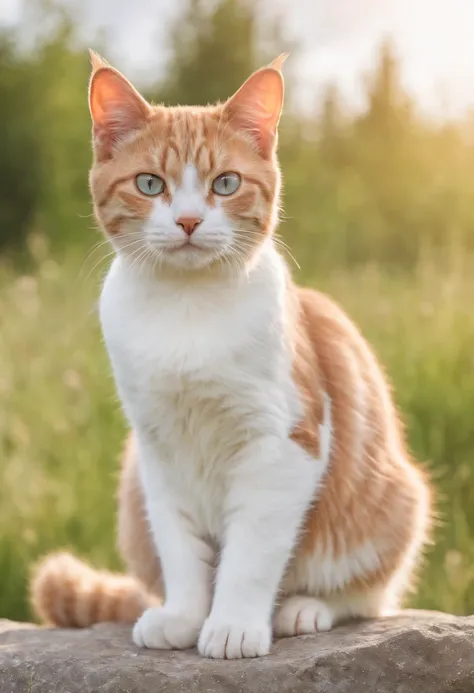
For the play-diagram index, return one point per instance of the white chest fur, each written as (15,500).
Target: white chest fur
(201,368)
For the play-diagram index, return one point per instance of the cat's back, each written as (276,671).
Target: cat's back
(325,322)
(347,364)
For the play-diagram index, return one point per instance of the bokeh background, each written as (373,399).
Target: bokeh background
(377,151)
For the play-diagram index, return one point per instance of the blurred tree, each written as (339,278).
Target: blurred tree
(388,158)
(214,48)
(213,52)
(389,106)
(333,134)
(62,78)
(20,153)
(331,119)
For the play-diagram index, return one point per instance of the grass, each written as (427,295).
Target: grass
(61,428)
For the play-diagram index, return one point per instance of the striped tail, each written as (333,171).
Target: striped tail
(68,593)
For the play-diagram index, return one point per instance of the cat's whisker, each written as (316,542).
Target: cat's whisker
(235,253)
(157,259)
(138,255)
(246,235)
(97,246)
(111,253)
(286,250)
(94,267)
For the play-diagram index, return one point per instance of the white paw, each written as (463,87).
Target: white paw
(220,640)
(166,630)
(302,615)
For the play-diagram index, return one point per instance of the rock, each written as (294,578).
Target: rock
(5,625)
(424,652)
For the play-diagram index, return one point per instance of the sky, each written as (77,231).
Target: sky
(434,38)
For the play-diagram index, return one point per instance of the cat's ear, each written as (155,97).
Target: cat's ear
(256,107)
(117,109)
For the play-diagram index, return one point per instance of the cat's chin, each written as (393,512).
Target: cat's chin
(181,259)
(185,258)
(189,257)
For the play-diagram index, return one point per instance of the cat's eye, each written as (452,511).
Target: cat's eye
(149,184)
(226,183)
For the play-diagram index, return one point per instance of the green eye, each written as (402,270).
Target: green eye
(149,184)
(226,183)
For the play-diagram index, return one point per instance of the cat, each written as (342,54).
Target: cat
(266,486)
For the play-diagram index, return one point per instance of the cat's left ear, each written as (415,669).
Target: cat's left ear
(256,107)
(117,109)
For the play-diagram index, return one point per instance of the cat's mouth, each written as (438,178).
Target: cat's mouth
(187,254)
(186,245)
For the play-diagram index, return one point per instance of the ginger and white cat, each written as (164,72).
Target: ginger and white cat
(266,484)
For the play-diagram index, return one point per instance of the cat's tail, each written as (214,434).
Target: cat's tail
(68,593)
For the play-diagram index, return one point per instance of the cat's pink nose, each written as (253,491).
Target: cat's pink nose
(188,224)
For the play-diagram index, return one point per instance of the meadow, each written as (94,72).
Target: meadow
(62,429)
(378,211)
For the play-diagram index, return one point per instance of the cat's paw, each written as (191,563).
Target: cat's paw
(301,616)
(166,630)
(222,640)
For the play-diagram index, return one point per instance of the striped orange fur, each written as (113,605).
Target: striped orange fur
(68,593)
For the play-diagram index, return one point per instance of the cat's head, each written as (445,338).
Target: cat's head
(185,187)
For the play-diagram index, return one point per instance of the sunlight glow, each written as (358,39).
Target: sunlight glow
(434,39)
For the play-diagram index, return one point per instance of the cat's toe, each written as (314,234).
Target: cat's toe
(234,641)
(301,616)
(160,629)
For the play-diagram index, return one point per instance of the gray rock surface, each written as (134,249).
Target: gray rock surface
(420,651)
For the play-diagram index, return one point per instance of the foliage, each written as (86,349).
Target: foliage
(200,36)
(20,154)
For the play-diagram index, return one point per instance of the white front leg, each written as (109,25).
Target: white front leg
(270,491)
(187,563)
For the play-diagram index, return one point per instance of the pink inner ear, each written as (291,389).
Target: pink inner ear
(256,107)
(116,108)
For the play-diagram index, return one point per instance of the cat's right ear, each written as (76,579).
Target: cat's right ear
(117,109)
